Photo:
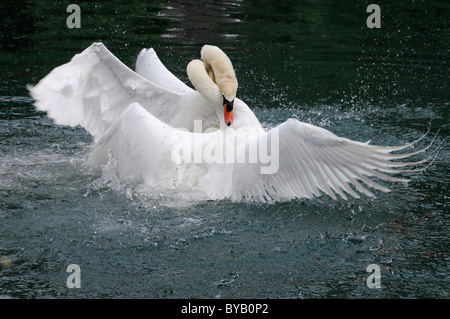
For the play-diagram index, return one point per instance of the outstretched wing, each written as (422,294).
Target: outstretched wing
(304,161)
(94,88)
(150,67)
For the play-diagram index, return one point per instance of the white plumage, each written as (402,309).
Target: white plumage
(145,117)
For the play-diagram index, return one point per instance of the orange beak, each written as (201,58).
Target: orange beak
(227,115)
(228,111)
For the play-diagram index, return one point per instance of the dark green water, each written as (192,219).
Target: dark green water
(312,60)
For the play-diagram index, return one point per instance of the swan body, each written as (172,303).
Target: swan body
(165,134)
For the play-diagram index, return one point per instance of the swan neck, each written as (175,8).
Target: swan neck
(203,83)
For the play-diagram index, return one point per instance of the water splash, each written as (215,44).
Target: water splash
(109,178)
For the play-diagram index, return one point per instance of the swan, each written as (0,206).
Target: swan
(163,133)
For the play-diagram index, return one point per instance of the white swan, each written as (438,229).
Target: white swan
(150,121)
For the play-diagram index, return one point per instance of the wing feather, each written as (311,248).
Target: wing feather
(313,161)
(94,88)
(150,67)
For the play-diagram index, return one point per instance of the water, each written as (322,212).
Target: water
(317,62)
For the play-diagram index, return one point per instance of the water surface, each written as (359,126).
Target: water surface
(312,60)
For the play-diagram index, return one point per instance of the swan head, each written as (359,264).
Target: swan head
(215,79)
(221,71)
(228,111)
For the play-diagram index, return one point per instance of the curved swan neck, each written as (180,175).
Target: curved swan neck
(215,80)
(220,70)
(203,83)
